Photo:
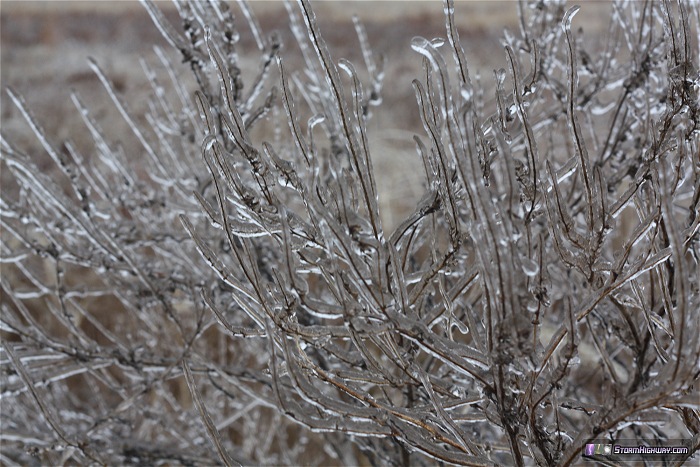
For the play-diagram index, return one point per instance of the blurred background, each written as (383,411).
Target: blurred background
(45,46)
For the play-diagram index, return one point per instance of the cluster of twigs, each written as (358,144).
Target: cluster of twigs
(544,292)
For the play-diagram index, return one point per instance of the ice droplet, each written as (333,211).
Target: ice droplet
(530,267)
(467,94)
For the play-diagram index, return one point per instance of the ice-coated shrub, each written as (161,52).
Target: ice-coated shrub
(228,293)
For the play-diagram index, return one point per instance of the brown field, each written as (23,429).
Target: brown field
(45,45)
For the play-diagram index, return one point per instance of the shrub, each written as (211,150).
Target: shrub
(544,291)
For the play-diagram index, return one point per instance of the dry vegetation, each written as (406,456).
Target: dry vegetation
(204,265)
